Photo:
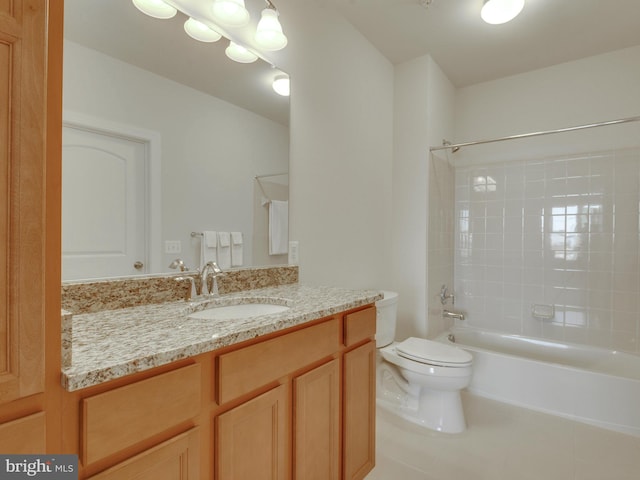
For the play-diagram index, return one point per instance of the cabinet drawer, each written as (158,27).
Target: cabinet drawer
(24,435)
(175,459)
(251,367)
(115,420)
(359,326)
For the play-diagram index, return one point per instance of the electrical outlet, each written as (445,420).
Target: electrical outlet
(172,246)
(294,257)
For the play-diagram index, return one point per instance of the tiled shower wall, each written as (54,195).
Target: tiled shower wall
(440,249)
(558,235)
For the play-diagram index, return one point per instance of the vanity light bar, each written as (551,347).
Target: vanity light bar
(224,13)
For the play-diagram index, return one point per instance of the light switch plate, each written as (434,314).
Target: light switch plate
(172,246)
(294,257)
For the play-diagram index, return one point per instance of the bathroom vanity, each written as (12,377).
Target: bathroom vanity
(276,396)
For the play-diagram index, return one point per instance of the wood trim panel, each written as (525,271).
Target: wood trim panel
(24,436)
(120,418)
(53,224)
(253,439)
(359,326)
(244,370)
(316,423)
(359,411)
(175,459)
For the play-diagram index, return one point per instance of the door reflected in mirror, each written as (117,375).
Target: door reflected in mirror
(163,136)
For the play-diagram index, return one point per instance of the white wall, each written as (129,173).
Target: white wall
(208,166)
(560,225)
(341,148)
(602,87)
(422,117)
(439,252)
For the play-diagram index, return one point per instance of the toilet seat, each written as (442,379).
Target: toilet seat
(433,353)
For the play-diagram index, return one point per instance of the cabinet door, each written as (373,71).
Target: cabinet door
(175,459)
(359,411)
(22,116)
(253,439)
(317,423)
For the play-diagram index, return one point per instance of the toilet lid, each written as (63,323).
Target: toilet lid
(433,353)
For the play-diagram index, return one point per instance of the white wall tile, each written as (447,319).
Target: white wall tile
(561,231)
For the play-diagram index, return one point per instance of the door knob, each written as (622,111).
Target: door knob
(138,265)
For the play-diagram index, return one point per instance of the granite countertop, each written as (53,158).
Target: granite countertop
(113,343)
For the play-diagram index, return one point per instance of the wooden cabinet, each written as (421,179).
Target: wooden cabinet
(175,459)
(325,395)
(247,369)
(316,423)
(22,61)
(253,438)
(24,435)
(359,411)
(120,418)
(293,405)
(29,329)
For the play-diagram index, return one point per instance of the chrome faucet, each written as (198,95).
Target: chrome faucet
(454,315)
(178,263)
(193,291)
(210,268)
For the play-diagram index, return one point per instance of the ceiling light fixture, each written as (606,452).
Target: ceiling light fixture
(496,12)
(231,13)
(155,8)
(199,31)
(269,31)
(281,85)
(224,14)
(240,54)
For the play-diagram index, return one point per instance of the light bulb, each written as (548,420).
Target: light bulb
(199,31)
(155,8)
(240,54)
(269,31)
(231,13)
(496,12)
(281,85)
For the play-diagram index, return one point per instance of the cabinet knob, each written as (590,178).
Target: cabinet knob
(138,265)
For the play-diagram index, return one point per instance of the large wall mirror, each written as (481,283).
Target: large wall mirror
(163,137)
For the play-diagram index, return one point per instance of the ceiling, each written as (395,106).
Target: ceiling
(547,32)
(469,51)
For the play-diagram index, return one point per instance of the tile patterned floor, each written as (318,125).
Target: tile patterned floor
(503,442)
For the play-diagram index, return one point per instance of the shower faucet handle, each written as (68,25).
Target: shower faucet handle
(445,295)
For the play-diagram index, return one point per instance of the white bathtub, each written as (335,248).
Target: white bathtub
(592,385)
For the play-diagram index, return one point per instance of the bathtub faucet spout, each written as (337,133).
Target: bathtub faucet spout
(454,315)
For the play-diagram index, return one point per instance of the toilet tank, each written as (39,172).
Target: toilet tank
(386,318)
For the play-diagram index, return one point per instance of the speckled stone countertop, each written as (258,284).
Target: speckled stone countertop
(113,343)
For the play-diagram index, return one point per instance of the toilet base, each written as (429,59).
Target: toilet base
(433,409)
(435,412)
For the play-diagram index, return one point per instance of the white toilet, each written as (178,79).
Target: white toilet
(419,379)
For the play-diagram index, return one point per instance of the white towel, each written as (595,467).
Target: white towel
(208,248)
(236,249)
(278,227)
(224,250)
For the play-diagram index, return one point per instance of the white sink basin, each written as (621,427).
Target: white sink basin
(244,310)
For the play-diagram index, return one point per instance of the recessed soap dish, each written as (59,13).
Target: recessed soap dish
(542,311)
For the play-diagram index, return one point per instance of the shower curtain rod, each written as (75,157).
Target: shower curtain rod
(456,146)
